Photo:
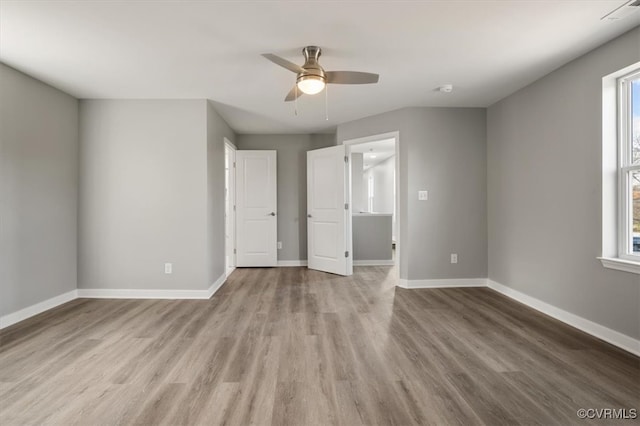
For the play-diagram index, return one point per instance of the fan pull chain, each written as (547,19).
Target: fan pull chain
(326,102)
(295,101)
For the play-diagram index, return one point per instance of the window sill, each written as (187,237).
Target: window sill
(621,264)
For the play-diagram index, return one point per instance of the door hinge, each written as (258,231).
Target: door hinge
(234,251)
(234,164)
(346,159)
(346,206)
(234,207)
(346,254)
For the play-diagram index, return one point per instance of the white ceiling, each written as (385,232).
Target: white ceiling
(381,149)
(384,145)
(211,49)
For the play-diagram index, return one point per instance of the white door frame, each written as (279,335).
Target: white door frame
(231,187)
(373,138)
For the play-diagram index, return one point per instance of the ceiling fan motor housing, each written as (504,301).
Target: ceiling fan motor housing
(311,66)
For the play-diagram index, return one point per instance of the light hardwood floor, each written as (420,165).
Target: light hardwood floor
(288,346)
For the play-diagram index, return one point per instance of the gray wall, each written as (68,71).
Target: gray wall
(143,194)
(217,130)
(442,150)
(544,201)
(292,185)
(38,191)
(372,237)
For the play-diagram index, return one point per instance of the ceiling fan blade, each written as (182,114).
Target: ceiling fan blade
(293,94)
(351,77)
(283,62)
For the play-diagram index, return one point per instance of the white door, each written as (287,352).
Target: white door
(328,245)
(256,221)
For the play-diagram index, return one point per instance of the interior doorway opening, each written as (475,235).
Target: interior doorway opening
(374,188)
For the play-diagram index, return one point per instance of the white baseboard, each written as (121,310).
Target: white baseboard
(448,283)
(229,271)
(374,262)
(216,285)
(287,263)
(38,308)
(616,338)
(91,293)
(126,293)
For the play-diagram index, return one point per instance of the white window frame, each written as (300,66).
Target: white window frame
(616,214)
(625,169)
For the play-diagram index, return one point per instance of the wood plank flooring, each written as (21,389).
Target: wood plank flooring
(289,346)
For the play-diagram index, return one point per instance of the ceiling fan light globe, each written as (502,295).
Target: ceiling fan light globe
(311,84)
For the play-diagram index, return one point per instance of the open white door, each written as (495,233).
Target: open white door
(256,222)
(328,245)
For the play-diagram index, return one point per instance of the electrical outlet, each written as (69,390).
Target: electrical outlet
(423,195)
(279,245)
(454,257)
(168,268)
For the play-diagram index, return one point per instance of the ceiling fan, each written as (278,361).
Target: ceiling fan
(312,78)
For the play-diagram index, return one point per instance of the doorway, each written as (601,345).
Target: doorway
(229,206)
(374,191)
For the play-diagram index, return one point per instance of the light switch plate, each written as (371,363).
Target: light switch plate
(279,245)
(423,195)
(454,257)
(168,268)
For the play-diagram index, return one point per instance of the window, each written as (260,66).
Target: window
(629,167)
(370,192)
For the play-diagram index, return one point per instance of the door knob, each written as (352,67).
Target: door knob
(309,215)
(272,214)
